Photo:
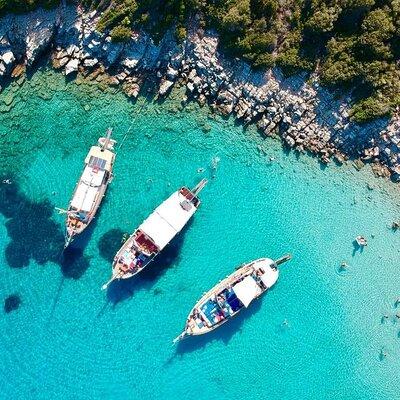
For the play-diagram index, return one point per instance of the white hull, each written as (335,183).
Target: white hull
(155,233)
(234,293)
(90,189)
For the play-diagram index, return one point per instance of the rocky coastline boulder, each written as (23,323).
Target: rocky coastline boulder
(306,116)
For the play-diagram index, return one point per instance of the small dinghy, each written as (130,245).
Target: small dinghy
(156,232)
(231,295)
(91,187)
(361,241)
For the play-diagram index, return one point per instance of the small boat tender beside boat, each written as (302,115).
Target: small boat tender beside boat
(91,187)
(154,234)
(231,295)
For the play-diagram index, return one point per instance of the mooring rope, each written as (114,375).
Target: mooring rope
(133,122)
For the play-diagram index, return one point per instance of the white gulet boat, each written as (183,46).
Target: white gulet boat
(91,187)
(154,234)
(231,295)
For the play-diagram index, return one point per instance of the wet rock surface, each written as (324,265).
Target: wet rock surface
(306,116)
(11,303)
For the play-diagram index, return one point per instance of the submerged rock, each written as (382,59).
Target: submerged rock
(12,303)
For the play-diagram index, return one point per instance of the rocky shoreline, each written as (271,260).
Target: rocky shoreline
(306,116)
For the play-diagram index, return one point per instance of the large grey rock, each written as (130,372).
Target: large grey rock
(72,66)
(165,87)
(8,57)
(39,29)
(90,62)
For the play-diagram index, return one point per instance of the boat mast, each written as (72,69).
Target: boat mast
(107,141)
(198,188)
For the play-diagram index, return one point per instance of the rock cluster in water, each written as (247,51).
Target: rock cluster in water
(304,115)
(11,303)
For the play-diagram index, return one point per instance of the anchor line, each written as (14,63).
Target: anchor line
(133,122)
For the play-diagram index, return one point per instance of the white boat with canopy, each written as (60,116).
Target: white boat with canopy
(155,232)
(91,187)
(236,292)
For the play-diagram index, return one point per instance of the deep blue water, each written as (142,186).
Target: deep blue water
(68,339)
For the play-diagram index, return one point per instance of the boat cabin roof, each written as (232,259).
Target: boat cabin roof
(269,277)
(168,219)
(87,190)
(84,197)
(247,290)
(92,176)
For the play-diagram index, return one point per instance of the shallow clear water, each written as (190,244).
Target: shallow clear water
(69,339)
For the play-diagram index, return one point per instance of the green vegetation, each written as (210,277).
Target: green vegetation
(353,44)
(21,6)
(120,33)
(155,16)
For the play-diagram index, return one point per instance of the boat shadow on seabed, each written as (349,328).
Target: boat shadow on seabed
(72,260)
(123,289)
(34,234)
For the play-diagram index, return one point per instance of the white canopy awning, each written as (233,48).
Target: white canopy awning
(269,277)
(247,290)
(92,178)
(167,220)
(84,197)
(172,211)
(158,229)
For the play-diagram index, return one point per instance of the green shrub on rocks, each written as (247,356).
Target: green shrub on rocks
(21,6)
(120,33)
(369,108)
(180,33)
(353,44)
(116,13)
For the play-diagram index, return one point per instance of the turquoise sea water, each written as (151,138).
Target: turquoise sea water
(70,340)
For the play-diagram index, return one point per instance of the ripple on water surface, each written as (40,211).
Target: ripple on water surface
(319,333)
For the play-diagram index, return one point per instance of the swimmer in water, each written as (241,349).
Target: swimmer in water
(214,162)
(343,265)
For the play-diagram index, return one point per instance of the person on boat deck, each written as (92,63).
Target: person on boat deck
(124,268)
(219,316)
(259,272)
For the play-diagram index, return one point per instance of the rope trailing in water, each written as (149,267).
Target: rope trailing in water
(133,122)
